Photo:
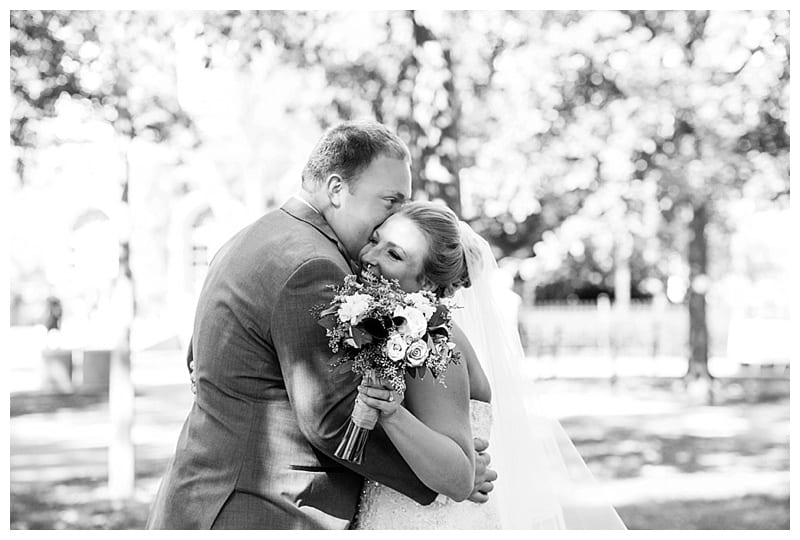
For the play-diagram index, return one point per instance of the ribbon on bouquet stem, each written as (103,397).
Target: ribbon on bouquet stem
(362,420)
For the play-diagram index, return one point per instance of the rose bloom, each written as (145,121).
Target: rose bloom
(422,303)
(417,353)
(353,308)
(396,347)
(443,347)
(416,324)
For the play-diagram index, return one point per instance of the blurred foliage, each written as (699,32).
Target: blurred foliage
(119,65)
(397,68)
(598,151)
(604,128)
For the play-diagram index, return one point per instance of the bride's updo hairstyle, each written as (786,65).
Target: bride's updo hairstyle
(444,264)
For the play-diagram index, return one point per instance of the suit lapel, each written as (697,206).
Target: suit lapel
(299,210)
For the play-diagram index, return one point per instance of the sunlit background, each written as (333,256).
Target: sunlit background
(629,168)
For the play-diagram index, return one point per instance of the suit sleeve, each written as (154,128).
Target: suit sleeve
(322,398)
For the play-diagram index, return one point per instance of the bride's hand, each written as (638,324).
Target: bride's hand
(381,397)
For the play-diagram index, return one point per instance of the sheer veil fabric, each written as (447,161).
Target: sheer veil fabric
(543,483)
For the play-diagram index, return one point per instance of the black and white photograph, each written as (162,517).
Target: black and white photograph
(394,269)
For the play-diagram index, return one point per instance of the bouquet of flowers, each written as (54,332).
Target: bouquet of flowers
(385,333)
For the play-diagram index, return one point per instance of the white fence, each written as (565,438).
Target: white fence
(645,329)
(649,330)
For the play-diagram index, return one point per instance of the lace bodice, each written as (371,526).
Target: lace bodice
(480,415)
(384,508)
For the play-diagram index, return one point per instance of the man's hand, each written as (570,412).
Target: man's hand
(484,476)
(193,377)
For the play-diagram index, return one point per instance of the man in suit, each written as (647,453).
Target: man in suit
(256,451)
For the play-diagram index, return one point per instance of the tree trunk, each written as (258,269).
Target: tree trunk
(121,458)
(445,147)
(409,68)
(451,158)
(623,250)
(698,278)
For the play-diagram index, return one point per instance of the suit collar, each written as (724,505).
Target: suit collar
(304,212)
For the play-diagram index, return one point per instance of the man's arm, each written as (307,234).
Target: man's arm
(321,398)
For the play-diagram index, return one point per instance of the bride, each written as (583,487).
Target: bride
(542,481)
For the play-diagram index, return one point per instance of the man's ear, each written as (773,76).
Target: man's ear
(334,187)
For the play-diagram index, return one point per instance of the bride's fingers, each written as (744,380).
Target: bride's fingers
(382,385)
(378,393)
(382,406)
(386,383)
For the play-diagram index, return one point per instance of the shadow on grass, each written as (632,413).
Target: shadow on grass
(623,452)
(752,512)
(734,434)
(40,402)
(74,503)
(30,510)
(22,403)
(34,510)
(684,438)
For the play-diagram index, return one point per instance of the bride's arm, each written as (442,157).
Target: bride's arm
(479,387)
(436,440)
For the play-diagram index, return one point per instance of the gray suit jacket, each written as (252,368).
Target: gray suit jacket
(269,412)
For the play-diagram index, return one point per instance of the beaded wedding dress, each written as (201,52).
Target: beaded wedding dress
(383,508)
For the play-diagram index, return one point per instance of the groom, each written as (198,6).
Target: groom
(256,451)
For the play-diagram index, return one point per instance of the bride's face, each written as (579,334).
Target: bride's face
(396,250)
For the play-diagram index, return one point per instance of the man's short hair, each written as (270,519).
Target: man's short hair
(349,148)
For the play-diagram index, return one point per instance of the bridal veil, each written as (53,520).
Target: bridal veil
(543,483)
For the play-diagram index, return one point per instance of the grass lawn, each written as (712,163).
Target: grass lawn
(669,462)
(749,512)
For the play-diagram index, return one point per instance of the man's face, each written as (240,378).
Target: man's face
(379,192)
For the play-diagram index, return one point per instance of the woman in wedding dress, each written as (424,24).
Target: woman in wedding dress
(543,483)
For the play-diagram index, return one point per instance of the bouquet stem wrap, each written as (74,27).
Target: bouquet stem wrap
(362,421)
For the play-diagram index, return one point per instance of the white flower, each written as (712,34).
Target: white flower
(396,347)
(442,348)
(450,303)
(422,303)
(417,353)
(353,308)
(416,324)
